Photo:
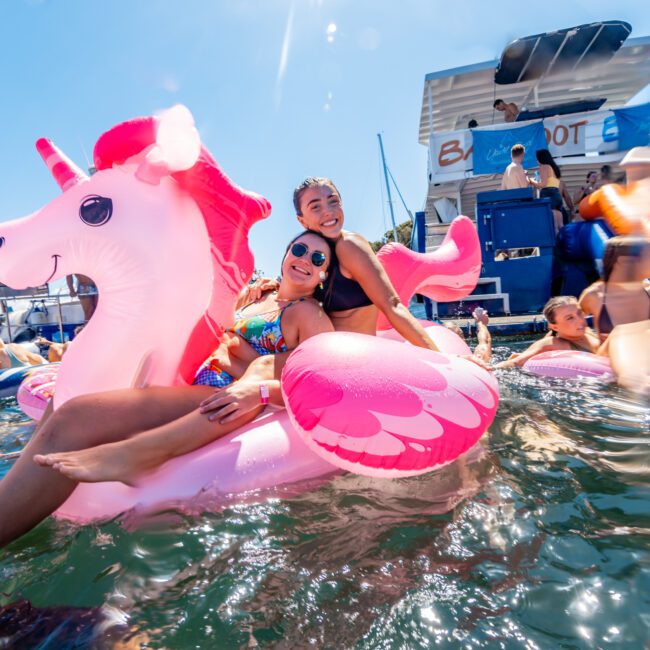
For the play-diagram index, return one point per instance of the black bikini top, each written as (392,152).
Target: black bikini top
(341,293)
(605,325)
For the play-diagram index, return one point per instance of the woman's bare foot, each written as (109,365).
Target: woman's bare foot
(111,462)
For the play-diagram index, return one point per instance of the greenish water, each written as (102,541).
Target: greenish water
(540,540)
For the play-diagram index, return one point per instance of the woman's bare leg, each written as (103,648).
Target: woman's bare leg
(29,492)
(126,460)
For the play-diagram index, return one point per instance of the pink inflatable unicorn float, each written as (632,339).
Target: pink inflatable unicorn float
(164,234)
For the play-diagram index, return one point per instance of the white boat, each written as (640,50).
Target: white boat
(573,83)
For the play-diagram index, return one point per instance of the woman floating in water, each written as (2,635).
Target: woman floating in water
(120,434)
(627,348)
(568,331)
(13,355)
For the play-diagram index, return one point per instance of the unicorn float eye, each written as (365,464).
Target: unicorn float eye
(96,210)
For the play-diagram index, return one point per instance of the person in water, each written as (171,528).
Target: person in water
(568,331)
(623,294)
(120,434)
(13,355)
(358,288)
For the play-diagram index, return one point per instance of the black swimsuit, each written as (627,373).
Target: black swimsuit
(342,293)
(605,325)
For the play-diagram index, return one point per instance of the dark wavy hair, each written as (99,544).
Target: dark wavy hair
(544,157)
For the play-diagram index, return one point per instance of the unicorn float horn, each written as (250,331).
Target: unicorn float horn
(449,273)
(64,171)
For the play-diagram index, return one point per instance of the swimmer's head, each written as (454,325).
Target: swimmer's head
(629,255)
(565,318)
(318,206)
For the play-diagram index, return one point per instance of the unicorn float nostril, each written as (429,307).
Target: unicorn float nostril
(2,242)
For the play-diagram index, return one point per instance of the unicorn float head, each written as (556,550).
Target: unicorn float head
(161,230)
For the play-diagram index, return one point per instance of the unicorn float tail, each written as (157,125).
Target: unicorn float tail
(449,273)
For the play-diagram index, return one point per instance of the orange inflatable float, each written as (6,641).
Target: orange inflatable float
(626,208)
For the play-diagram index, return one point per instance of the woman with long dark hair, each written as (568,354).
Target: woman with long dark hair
(549,184)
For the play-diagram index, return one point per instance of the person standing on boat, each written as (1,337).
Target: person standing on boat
(587,188)
(510,111)
(86,291)
(514,177)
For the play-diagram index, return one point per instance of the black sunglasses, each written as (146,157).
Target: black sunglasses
(317,258)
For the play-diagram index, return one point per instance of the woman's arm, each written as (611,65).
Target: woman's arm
(300,322)
(588,301)
(255,290)
(359,260)
(543,345)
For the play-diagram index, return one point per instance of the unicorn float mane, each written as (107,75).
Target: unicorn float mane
(228,212)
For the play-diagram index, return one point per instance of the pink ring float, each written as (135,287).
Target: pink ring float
(36,391)
(570,364)
(421,410)
(442,336)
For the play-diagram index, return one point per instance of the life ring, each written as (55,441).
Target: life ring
(569,364)
(426,409)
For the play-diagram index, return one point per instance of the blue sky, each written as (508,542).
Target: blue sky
(277,93)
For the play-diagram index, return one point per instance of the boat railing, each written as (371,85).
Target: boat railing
(53,300)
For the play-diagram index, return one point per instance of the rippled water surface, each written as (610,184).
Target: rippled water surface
(541,538)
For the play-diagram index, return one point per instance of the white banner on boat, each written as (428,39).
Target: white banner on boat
(450,154)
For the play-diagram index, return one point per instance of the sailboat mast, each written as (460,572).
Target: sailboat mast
(390,200)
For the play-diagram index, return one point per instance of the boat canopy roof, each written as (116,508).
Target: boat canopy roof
(565,50)
(572,65)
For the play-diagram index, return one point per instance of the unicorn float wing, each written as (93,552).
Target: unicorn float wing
(164,234)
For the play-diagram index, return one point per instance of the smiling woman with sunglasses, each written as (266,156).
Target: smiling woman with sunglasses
(359,287)
(120,434)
